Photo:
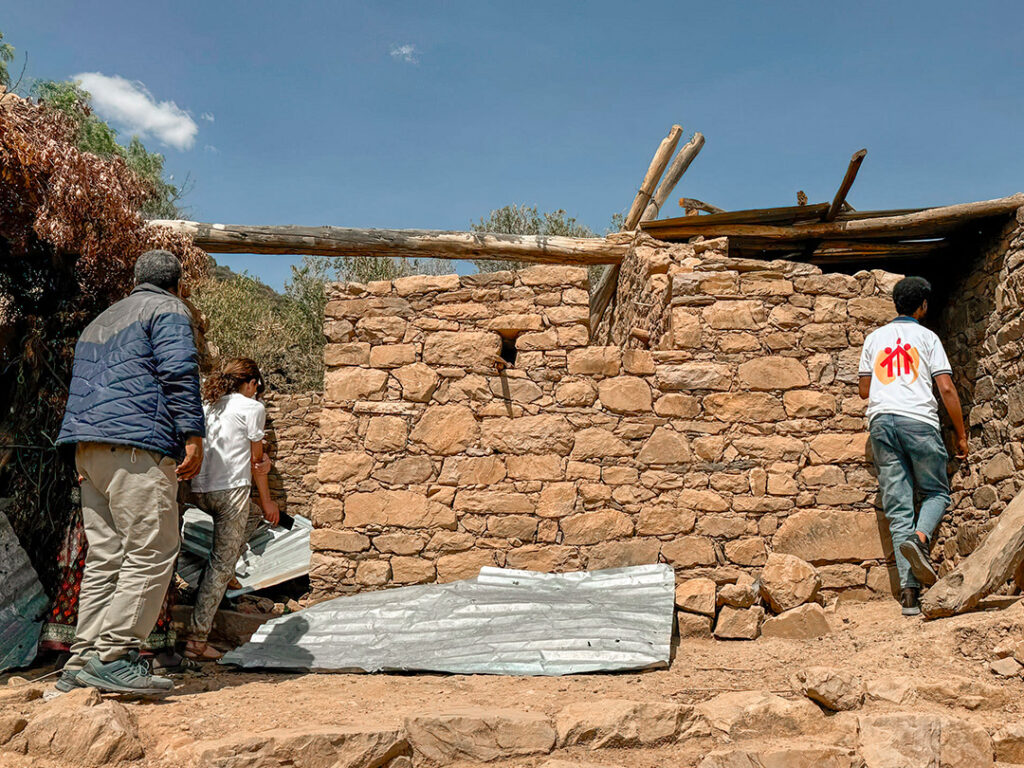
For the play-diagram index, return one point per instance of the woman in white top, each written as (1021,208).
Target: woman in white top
(235,422)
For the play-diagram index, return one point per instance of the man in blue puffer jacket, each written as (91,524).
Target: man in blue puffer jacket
(135,416)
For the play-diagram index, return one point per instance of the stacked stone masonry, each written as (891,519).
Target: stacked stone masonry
(293,443)
(982,326)
(732,431)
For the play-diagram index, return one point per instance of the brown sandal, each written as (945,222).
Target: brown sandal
(206,653)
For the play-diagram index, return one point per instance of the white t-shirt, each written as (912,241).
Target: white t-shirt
(232,423)
(902,358)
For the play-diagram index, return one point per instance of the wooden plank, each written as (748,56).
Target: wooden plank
(926,223)
(986,569)
(401,243)
(844,187)
(673,175)
(654,171)
(788,214)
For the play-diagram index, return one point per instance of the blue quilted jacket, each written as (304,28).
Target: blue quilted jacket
(136,377)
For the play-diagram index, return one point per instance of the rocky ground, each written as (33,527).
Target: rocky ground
(880,690)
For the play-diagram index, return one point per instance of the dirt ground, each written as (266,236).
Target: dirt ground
(871,639)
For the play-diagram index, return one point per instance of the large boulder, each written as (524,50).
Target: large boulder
(619,723)
(338,747)
(901,739)
(479,734)
(739,623)
(801,623)
(788,582)
(760,715)
(696,596)
(80,729)
(834,689)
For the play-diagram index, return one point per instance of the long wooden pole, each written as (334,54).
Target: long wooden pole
(986,569)
(605,289)
(654,171)
(602,297)
(673,175)
(844,187)
(930,221)
(407,243)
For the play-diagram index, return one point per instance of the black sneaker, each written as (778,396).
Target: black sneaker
(129,674)
(920,563)
(908,599)
(68,681)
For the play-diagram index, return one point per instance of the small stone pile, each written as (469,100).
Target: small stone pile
(781,603)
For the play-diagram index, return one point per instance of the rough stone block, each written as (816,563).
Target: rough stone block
(348,384)
(802,623)
(625,394)
(402,509)
(697,596)
(832,536)
(689,551)
(788,582)
(595,527)
(595,361)
(739,623)
(474,350)
(446,429)
(774,372)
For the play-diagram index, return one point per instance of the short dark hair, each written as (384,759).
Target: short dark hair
(159,268)
(910,293)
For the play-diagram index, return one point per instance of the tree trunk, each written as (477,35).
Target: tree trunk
(992,564)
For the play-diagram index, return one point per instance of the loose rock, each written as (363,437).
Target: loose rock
(788,582)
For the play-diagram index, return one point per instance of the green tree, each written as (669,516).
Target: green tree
(6,57)
(96,136)
(365,269)
(283,333)
(526,220)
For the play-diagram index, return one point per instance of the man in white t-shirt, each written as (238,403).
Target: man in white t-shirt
(898,366)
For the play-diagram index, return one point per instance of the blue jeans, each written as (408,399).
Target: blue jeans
(909,455)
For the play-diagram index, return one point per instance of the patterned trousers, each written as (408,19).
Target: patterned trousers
(235,518)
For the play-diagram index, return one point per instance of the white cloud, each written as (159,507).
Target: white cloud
(406,53)
(130,105)
(207,116)
(211,149)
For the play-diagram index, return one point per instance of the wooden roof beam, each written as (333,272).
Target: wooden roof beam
(401,243)
(844,187)
(929,222)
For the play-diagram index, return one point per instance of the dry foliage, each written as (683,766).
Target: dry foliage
(70,233)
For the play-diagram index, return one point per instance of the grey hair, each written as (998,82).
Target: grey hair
(159,268)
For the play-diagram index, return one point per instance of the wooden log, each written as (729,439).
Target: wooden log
(654,171)
(693,204)
(673,175)
(986,569)
(926,223)
(844,187)
(605,289)
(402,243)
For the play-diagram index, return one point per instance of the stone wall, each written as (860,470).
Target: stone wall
(293,442)
(982,326)
(738,433)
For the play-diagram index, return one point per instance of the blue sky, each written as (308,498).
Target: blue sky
(322,114)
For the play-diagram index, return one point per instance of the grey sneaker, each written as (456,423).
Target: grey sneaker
(68,681)
(920,563)
(129,674)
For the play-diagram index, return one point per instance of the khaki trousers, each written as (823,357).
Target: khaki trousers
(235,519)
(130,516)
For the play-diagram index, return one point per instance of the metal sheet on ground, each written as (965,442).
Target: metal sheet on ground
(502,622)
(272,556)
(22,602)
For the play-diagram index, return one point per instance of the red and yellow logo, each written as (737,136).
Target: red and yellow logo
(894,362)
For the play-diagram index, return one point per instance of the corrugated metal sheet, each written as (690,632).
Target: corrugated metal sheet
(273,555)
(22,602)
(503,622)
